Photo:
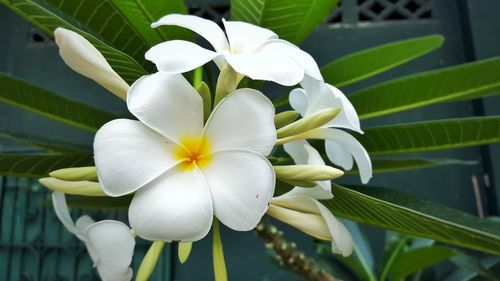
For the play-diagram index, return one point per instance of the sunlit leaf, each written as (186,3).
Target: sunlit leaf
(32,98)
(431,135)
(466,81)
(367,63)
(291,20)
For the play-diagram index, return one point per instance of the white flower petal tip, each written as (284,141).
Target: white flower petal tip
(313,218)
(81,56)
(110,243)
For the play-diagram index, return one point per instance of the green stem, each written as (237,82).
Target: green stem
(149,261)
(220,271)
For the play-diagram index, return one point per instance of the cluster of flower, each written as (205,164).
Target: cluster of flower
(185,166)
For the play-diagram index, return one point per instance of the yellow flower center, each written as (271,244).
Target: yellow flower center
(193,151)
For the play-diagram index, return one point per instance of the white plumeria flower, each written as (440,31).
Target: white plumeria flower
(340,146)
(81,56)
(300,206)
(250,50)
(110,243)
(182,172)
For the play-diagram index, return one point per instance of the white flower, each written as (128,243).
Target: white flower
(250,50)
(84,58)
(110,243)
(182,172)
(340,146)
(300,208)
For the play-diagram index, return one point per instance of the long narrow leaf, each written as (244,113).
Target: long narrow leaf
(391,165)
(141,13)
(29,97)
(37,166)
(393,210)
(367,63)
(46,144)
(47,17)
(291,20)
(466,81)
(431,135)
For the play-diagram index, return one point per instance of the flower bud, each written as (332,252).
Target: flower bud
(303,174)
(206,96)
(86,188)
(284,118)
(75,174)
(308,123)
(84,58)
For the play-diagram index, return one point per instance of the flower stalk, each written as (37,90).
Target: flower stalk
(289,256)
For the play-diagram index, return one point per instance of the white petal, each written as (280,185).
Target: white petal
(339,155)
(128,155)
(114,244)
(83,222)
(168,104)
(310,223)
(267,66)
(310,216)
(84,58)
(303,153)
(342,240)
(205,28)
(175,207)
(347,118)
(178,56)
(298,100)
(244,37)
(305,60)
(242,120)
(62,212)
(349,143)
(241,184)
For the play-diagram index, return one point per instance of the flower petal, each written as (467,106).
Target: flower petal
(241,183)
(81,56)
(268,66)
(168,104)
(62,212)
(305,60)
(313,218)
(175,207)
(298,100)
(113,243)
(242,120)
(129,155)
(338,155)
(348,117)
(303,153)
(205,28)
(342,240)
(178,56)
(244,37)
(349,143)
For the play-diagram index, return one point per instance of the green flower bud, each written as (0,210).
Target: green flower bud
(86,188)
(306,174)
(308,123)
(75,174)
(284,118)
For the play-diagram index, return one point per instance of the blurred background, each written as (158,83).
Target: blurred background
(35,246)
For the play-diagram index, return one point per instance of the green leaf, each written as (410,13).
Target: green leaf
(431,135)
(291,20)
(367,63)
(412,261)
(149,261)
(32,98)
(48,17)
(361,261)
(466,81)
(37,166)
(45,144)
(142,13)
(220,271)
(397,211)
(474,266)
(394,246)
(391,165)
